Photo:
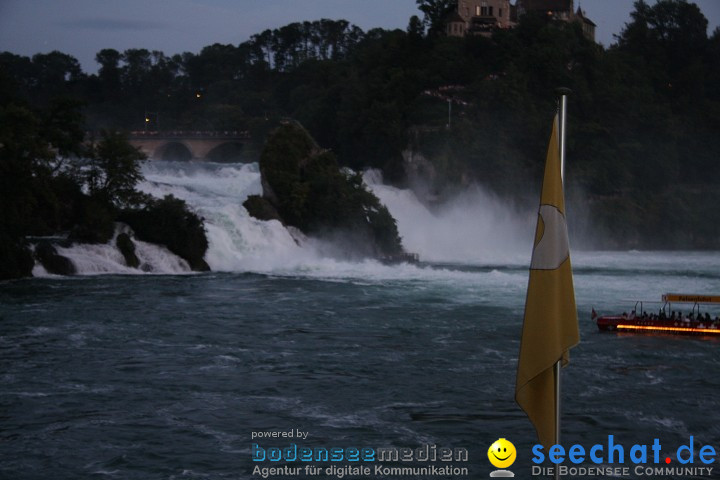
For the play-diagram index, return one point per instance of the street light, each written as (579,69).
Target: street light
(148,117)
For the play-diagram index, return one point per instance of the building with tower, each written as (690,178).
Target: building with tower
(482,17)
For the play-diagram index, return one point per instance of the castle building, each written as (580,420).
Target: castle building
(481,17)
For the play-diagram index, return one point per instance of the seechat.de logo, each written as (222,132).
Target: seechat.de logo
(502,454)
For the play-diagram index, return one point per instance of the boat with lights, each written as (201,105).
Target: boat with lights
(667,320)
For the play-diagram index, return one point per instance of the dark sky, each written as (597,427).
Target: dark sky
(83,27)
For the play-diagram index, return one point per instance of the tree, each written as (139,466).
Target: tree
(436,11)
(670,30)
(56,68)
(53,74)
(115,169)
(415,28)
(35,199)
(63,126)
(109,60)
(16,77)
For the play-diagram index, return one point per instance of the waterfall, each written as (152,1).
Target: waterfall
(471,228)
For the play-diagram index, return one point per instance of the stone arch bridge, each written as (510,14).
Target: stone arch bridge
(215,146)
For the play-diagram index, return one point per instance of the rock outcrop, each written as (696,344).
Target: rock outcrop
(54,263)
(169,222)
(126,246)
(305,188)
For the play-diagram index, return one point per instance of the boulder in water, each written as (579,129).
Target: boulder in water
(126,246)
(306,187)
(170,222)
(261,208)
(53,262)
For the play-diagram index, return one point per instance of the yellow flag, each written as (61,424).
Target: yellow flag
(550,326)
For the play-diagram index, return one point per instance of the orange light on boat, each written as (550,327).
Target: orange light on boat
(711,331)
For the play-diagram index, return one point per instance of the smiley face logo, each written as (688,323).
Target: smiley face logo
(502,453)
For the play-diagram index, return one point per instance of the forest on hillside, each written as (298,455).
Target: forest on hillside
(644,116)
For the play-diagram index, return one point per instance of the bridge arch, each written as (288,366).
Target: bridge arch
(227,152)
(218,146)
(173,151)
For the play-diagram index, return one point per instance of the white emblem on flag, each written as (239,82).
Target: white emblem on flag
(553,248)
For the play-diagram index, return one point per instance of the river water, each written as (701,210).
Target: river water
(167,375)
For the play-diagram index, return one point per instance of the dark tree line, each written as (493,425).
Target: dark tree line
(644,115)
(224,86)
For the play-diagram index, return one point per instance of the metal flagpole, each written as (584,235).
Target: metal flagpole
(563,92)
(562,112)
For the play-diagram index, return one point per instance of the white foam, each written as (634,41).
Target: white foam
(237,241)
(473,227)
(99,259)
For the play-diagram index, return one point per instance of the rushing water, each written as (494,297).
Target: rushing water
(167,376)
